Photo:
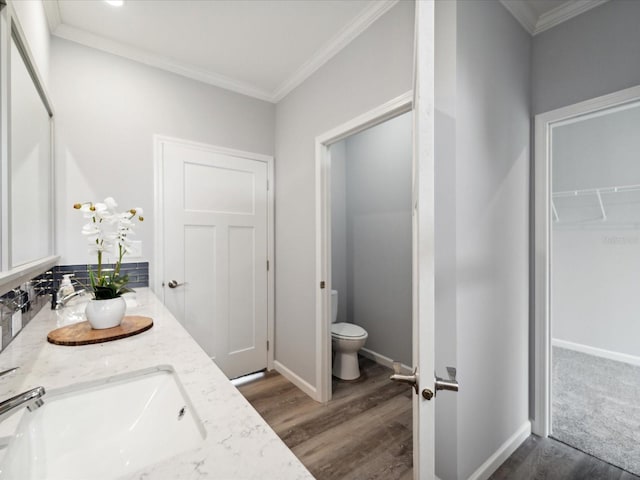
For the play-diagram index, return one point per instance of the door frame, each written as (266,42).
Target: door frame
(541,424)
(323,142)
(158,176)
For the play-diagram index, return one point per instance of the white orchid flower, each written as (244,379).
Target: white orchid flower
(100,208)
(110,203)
(91,229)
(107,233)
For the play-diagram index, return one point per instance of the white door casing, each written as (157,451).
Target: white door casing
(544,123)
(214,215)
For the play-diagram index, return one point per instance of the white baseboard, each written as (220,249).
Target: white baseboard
(506,449)
(299,382)
(598,352)
(385,361)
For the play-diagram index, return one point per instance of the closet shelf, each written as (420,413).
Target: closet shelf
(597,192)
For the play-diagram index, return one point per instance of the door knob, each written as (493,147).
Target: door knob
(410,379)
(451,384)
(174,284)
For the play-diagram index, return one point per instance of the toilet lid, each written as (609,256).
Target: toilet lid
(349,330)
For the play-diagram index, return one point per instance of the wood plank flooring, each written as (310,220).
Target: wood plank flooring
(364,432)
(547,459)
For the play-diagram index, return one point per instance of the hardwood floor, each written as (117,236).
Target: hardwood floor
(548,459)
(364,432)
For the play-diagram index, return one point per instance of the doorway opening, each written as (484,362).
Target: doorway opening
(588,230)
(352,193)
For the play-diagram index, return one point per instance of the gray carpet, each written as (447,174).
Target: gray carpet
(596,407)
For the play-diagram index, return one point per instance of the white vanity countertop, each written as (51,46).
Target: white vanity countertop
(239,443)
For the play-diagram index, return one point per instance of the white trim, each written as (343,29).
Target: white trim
(535,24)
(541,424)
(523,13)
(5,66)
(271,258)
(158,176)
(384,361)
(159,61)
(502,453)
(330,49)
(302,384)
(542,405)
(597,352)
(388,110)
(564,12)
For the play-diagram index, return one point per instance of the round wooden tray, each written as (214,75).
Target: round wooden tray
(82,333)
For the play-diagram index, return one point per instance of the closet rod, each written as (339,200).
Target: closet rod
(596,191)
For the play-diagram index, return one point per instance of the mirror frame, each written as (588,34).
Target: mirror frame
(10,30)
(544,123)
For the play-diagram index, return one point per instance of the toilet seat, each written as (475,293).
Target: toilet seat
(347,330)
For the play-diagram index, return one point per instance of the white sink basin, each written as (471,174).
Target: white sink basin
(104,429)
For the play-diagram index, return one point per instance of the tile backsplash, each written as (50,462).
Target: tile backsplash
(138,274)
(20,305)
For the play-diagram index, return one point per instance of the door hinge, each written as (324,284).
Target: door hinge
(267,265)
(267,185)
(322,284)
(267,345)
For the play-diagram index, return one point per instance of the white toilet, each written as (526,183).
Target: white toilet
(346,340)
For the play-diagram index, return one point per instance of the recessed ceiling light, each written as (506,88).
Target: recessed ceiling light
(115,3)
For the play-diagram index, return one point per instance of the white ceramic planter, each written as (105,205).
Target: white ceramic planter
(106,313)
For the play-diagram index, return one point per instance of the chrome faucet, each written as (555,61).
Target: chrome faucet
(32,399)
(61,302)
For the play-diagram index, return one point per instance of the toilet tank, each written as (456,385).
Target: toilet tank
(334,306)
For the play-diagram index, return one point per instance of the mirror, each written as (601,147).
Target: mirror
(26,152)
(30,162)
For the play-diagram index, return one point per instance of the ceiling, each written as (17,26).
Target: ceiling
(260,48)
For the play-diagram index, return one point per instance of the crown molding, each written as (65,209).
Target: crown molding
(564,12)
(52,12)
(142,56)
(523,13)
(535,24)
(345,36)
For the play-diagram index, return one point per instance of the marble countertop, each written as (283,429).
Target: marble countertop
(239,443)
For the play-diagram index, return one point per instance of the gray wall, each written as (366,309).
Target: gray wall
(339,227)
(108,109)
(588,56)
(377,207)
(376,67)
(492,229)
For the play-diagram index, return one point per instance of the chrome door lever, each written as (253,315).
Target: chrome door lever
(451,384)
(174,284)
(410,379)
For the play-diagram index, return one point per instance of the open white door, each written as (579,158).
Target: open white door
(423,244)
(215,250)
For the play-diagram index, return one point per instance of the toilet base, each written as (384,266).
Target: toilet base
(345,365)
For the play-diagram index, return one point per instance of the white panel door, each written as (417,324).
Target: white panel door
(215,249)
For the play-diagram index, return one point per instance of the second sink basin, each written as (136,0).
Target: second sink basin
(104,429)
